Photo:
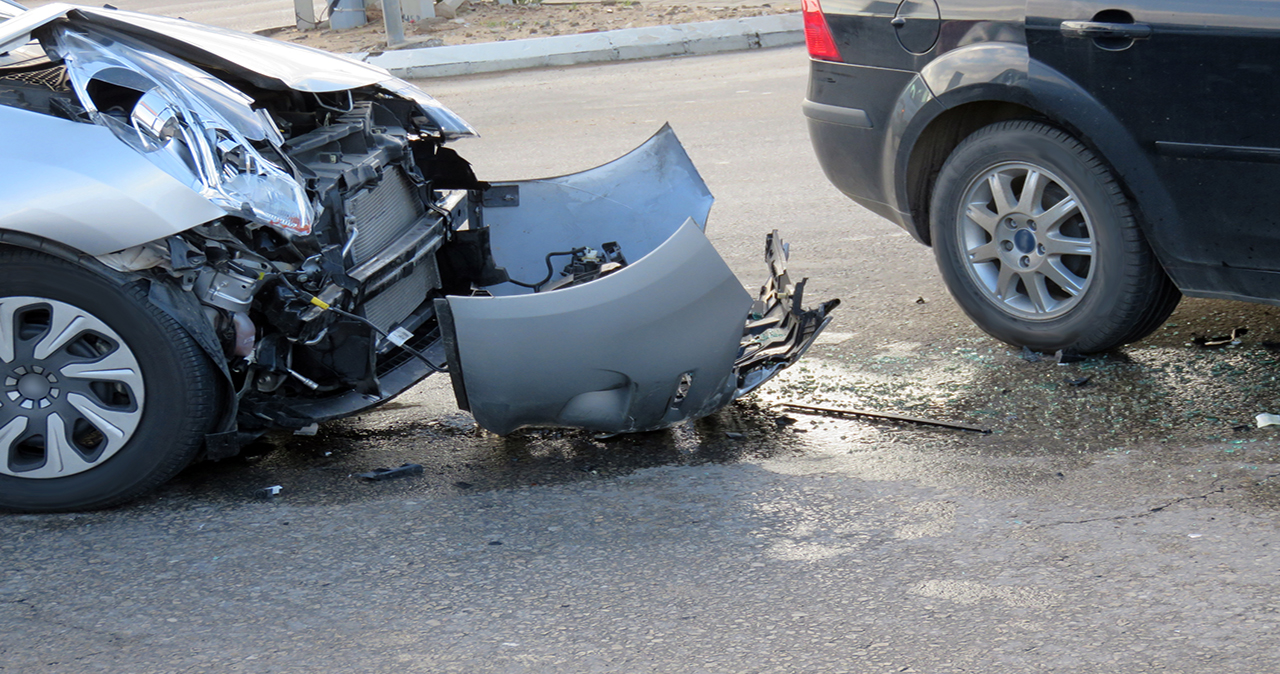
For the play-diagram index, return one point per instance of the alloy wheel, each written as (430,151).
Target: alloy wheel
(1026,241)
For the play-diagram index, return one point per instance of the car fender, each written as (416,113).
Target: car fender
(79,185)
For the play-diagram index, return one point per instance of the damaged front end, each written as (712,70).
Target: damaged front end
(300,216)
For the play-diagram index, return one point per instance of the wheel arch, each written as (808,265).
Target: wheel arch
(1023,89)
(182,307)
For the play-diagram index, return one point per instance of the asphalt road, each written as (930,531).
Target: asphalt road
(1121,525)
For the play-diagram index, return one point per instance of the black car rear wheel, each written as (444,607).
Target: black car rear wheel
(1037,243)
(102,395)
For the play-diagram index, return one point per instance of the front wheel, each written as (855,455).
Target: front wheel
(1037,243)
(102,395)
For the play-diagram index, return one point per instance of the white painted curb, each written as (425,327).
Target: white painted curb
(615,45)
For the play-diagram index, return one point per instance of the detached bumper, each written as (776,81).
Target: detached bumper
(670,336)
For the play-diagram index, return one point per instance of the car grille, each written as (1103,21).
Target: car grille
(54,79)
(383,214)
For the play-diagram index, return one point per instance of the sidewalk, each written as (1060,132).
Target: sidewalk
(614,45)
(676,39)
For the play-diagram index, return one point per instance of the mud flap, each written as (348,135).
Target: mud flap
(655,342)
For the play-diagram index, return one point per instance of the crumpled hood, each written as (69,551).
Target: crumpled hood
(259,58)
(267,63)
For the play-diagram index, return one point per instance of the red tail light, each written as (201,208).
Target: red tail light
(817,35)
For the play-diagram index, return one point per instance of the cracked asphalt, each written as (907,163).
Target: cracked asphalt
(1126,524)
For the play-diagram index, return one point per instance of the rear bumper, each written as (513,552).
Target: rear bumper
(856,117)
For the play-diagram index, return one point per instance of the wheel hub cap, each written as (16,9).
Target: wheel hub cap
(33,388)
(1024,240)
(71,390)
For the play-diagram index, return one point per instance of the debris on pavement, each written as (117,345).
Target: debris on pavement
(268,493)
(380,474)
(1066,356)
(1212,342)
(733,435)
(815,409)
(1266,419)
(1082,381)
(1030,356)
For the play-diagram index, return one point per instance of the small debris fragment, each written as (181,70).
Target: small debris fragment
(1065,356)
(311,429)
(495,542)
(463,485)
(1242,428)
(1030,356)
(1266,419)
(784,421)
(735,436)
(268,493)
(380,474)
(920,300)
(1078,382)
(1213,342)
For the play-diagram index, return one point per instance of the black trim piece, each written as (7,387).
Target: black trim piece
(834,114)
(453,359)
(1262,155)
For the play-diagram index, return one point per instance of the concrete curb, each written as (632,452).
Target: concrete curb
(615,45)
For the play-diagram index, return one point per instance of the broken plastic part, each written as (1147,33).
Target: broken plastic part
(380,474)
(1267,419)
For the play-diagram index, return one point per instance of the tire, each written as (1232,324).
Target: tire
(102,395)
(1037,243)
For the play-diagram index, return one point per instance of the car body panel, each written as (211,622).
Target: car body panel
(79,185)
(608,355)
(671,335)
(637,201)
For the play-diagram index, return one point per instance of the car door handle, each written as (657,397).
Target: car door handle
(898,22)
(1101,29)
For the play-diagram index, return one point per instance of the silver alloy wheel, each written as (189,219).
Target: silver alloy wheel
(71,390)
(1026,240)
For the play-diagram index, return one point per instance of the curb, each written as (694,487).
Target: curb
(615,45)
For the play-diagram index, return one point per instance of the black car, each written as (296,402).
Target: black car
(1077,166)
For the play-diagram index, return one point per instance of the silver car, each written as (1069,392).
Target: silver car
(207,235)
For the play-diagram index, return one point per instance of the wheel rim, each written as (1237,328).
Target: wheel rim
(1027,241)
(71,390)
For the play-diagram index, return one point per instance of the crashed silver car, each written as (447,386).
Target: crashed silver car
(207,235)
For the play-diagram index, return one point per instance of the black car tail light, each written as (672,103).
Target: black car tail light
(817,35)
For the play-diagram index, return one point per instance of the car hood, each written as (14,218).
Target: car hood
(263,61)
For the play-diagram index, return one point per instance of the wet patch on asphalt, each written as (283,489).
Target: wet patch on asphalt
(1048,420)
